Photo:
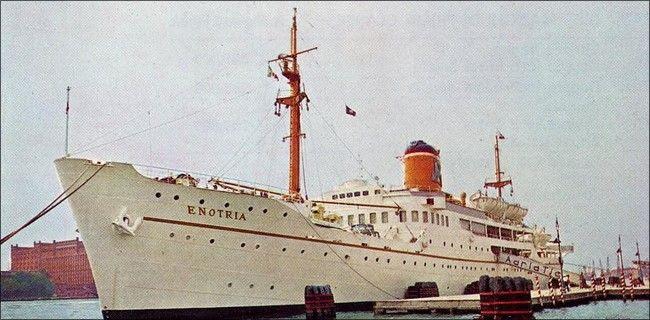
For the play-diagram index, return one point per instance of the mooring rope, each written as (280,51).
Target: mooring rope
(309,223)
(58,200)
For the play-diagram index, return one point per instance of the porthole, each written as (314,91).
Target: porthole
(444,244)
(257,246)
(429,241)
(365,258)
(284,249)
(250,208)
(158,195)
(226,205)
(272,287)
(229,284)
(201,201)
(242,244)
(176,197)
(171,235)
(284,214)
(302,251)
(434,265)
(347,257)
(404,262)
(187,237)
(415,263)
(251,286)
(388,260)
(325,254)
(376,259)
(211,240)
(461,246)
(425,264)
(452,245)
(265,211)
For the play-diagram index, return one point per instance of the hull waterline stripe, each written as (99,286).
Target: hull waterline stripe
(277,235)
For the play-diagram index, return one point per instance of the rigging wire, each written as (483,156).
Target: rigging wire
(163,124)
(230,164)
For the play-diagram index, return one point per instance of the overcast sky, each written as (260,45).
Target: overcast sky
(566,83)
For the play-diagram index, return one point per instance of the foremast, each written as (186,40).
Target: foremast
(498,184)
(290,70)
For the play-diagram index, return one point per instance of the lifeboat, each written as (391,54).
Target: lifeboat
(498,209)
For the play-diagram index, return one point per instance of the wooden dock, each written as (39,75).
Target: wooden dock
(470,303)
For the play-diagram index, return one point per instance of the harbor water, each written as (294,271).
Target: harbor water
(89,309)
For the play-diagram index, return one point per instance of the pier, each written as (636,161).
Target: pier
(470,303)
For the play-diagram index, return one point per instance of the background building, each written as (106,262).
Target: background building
(65,263)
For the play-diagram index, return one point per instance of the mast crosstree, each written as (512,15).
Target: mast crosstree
(291,70)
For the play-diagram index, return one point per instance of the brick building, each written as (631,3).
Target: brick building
(65,263)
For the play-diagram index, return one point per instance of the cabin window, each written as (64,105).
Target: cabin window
(493,232)
(358,193)
(350,220)
(377,191)
(402,216)
(349,194)
(365,192)
(373,217)
(334,197)
(384,217)
(425,216)
(478,229)
(437,218)
(464,224)
(342,195)
(447,221)
(362,218)
(506,234)
(414,216)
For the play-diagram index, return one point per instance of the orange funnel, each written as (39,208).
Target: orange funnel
(422,167)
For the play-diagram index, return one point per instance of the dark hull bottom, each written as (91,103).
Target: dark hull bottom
(226,313)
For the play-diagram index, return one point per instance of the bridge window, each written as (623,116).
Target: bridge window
(437,218)
(447,221)
(384,217)
(362,218)
(402,216)
(349,194)
(464,224)
(373,217)
(425,216)
(358,193)
(365,192)
(377,191)
(414,216)
(350,220)
(342,195)
(334,197)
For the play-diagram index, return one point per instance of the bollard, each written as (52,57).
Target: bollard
(561,291)
(539,291)
(603,282)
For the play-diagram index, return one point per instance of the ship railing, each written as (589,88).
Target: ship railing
(212,182)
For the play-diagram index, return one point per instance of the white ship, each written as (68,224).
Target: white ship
(187,245)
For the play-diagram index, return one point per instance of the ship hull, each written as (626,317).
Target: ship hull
(208,252)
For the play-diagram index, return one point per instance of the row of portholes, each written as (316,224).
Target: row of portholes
(227,204)
(347,257)
(250,286)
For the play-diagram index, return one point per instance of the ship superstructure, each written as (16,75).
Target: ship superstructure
(163,245)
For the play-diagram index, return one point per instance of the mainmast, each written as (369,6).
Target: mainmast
(290,70)
(498,184)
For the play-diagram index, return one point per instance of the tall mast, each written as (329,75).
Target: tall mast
(498,184)
(67,120)
(291,71)
(638,260)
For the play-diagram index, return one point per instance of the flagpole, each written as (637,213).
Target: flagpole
(559,250)
(620,253)
(67,121)
(638,261)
